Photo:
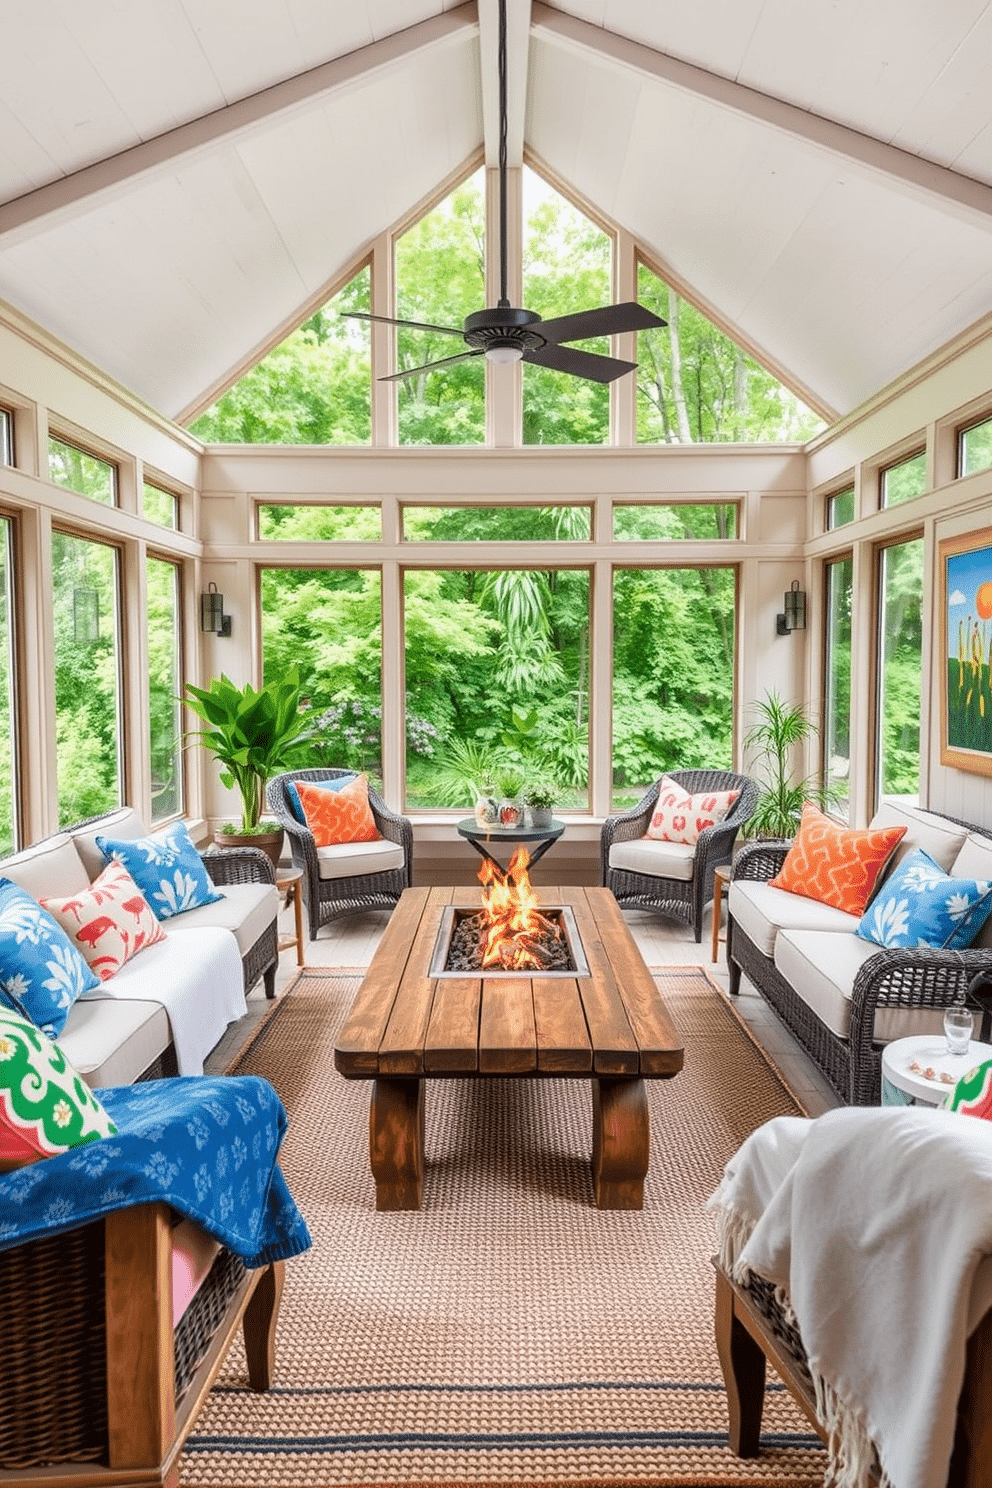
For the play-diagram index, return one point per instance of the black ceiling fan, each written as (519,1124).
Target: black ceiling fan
(504,333)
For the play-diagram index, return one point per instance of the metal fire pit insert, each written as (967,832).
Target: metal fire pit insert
(449,923)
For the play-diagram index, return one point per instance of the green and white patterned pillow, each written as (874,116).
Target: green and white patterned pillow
(45,1106)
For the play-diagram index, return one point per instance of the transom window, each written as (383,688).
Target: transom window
(77,470)
(674,521)
(975,447)
(903,481)
(840,508)
(497,523)
(6,437)
(282,522)
(159,505)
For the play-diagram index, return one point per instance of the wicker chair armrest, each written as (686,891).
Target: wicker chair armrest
(760,860)
(234,865)
(394,828)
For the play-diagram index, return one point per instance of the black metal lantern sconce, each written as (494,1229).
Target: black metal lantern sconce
(212,617)
(794,617)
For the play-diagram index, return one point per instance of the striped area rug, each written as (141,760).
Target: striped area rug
(509,1332)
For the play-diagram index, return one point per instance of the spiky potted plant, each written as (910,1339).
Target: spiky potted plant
(780,729)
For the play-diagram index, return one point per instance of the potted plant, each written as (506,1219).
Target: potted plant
(254,735)
(780,728)
(540,796)
(509,784)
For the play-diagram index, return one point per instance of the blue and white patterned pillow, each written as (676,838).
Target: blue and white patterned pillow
(166,867)
(41,971)
(919,905)
(331,785)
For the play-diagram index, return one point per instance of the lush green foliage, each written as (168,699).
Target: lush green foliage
(902,652)
(87,681)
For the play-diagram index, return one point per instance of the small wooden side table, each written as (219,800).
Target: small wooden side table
(289,884)
(721,877)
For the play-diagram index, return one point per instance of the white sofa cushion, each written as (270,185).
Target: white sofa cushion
(762,912)
(821,967)
(975,861)
(660,859)
(51,869)
(355,859)
(939,838)
(247,909)
(113,1042)
(124,824)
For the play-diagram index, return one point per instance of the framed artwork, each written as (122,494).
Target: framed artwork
(965,565)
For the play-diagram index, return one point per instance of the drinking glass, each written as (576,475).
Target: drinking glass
(958,1027)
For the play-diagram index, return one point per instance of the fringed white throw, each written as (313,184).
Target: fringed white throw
(872,1224)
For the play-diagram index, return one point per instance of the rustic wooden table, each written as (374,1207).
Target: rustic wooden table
(610,1027)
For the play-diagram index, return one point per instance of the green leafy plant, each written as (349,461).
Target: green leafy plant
(780,728)
(254,735)
(509,782)
(541,795)
(463,772)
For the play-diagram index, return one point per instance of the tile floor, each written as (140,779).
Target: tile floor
(351,943)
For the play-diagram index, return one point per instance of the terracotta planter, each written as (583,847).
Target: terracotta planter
(269,842)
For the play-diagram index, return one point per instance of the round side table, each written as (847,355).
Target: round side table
(904,1086)
(721,878)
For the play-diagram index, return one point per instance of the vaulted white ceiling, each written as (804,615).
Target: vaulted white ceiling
(180,177)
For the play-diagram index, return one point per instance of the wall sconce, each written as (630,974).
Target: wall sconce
(212,617)
(795,610)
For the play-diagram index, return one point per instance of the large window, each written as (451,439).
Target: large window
(900,656)
(441,278)
(497,682)
(164,687)
(77,470)
(8,730)
(87,676)
(328,622)
(839,573)
(673,674)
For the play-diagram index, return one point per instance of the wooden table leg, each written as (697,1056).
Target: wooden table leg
(743,1363)
(620,1143)
(298,915)
(396,1142)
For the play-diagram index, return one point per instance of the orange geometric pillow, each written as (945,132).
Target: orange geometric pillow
(836,865)
(338,816)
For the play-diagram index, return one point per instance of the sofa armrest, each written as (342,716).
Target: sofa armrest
(233,865)
(760,860)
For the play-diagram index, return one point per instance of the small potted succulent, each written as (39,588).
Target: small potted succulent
(540,798)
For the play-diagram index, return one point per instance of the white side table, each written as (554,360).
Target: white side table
(904,1086)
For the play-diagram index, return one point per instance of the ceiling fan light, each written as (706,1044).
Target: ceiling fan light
(504,353)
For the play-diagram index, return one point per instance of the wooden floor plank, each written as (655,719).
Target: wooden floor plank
(661,1049)
(507,1036)
(563,1045)
(356,1052)
(451,1046)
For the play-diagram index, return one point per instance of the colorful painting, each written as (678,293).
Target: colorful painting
(966,674)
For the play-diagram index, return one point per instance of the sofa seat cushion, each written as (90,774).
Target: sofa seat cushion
(821,967)
(52,867)
(939,838)
(657,858)
(111,1041)
(356,859)
(246,909)
(762,912)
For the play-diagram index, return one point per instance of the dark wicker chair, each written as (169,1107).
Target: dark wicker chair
(683,899)
(329,898)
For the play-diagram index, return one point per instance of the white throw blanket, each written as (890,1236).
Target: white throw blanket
(874,1222)
(198,979)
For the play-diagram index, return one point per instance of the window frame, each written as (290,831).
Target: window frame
(829,564)
(92,452)
(876,732)
(959,435)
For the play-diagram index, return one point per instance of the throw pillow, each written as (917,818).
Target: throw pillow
(919,905)
(328,785)
(166,868)
(45,1106)
(338,816)
(680,816)
(972,1095)
(836,865)
(41,972)
(110,922)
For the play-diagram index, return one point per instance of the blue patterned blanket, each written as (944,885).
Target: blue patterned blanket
(206,1145)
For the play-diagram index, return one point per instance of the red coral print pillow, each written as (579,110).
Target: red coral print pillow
(338,816)
(108,923)
(836,865)
(679,816)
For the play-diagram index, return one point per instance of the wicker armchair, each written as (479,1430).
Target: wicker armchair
(327,895)
(683,897)
(234,865)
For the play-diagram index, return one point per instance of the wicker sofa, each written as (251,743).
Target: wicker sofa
(841,996)
(115,1040)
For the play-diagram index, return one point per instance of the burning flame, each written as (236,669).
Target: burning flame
(512,918)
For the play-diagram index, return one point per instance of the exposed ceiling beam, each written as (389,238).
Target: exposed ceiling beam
(22,217)
(517,56)
(965,197)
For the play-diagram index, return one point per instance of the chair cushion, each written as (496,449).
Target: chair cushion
(45,1107)
(166,867)
(680,816)
(975,861)
(659,859)
(836,865)
(918,905)
(939,838)
(356,859)
(41,972)
(762,912)
(338,816)
(246,909)
(293,795)
(821,967)
(109,923)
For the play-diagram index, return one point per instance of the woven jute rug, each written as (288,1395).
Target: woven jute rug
(508,1332)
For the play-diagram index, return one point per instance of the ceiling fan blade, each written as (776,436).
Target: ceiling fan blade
(608,320)
(417,325)
(579,363)
(462,356)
